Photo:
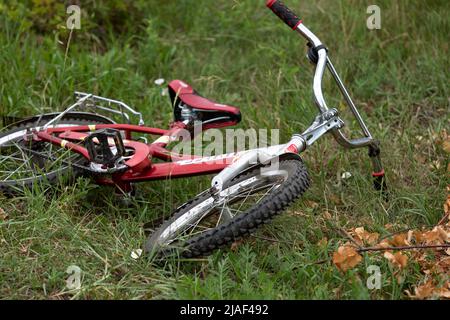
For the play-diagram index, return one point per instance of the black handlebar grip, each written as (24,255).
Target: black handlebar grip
(284,13)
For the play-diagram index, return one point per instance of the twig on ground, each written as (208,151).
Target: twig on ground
(322,261)
(430,246)
(348,236)
(445,217)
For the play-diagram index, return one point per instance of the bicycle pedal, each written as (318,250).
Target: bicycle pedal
(105,147)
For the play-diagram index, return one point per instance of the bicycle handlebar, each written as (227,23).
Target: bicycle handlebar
(291,19)
(284,13)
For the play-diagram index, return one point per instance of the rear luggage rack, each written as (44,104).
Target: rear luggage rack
(109,105)
(88,100)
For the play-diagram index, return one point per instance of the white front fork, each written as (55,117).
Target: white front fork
(253,157)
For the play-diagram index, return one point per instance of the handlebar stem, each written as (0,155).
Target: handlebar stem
(322,63)
(308,35)
(317,82)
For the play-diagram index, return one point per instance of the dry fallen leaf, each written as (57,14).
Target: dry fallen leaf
(364,236)
(398,259)
(384,243)
(24,248)
(440,265)
(299,213)
(323,242)
(446,145)
(327,215)
(428,290)
(335,199)
(447,203)
(235,245)
(3,215)
(423,291)
(400,240)
(418,236)
(312,204)
(444,234)
(436,236)
(346,258)
(443,293)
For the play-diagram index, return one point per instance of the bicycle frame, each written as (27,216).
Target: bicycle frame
(141,168)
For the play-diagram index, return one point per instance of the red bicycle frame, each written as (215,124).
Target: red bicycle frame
(140,164)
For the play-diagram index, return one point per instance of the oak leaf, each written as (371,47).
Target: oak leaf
(436,236)
(312,204)
(418,235)
(423,291)
(446,145)
(235,245)
(443,293)
(3,215)
(384,243)
(367,237)
(428,290)
(327,215)
(400,240)
(447,203)
(398,259)
(323,242)
(346,258)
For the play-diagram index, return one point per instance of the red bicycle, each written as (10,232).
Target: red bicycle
(250,186)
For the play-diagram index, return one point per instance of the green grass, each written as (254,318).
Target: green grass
(236,52)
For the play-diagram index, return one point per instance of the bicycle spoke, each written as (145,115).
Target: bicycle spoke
(246,197)
(10,157)
(267,192)
(226,214)
(12,173)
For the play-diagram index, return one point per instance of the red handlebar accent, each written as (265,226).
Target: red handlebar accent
(284,13)
(378,174)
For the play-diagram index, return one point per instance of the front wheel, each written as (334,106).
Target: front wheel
(212,220)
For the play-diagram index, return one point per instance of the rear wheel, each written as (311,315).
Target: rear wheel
(24,162)
(210,221)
